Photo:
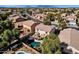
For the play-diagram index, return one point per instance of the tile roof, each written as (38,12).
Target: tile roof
(28,23)
(70,17)
(44,27)
(70,36)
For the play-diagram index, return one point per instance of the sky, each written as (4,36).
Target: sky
(39,6)
(39,2)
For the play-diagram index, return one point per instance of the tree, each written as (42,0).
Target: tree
(62,25)
(51,44)
(5,43)
(3,16)
(77,21)
(7,31)
(1,29)
(77,15)
(62,22)
(16,32)
(58,52)
(4,38)
(6,24)
(47,22)
(50,16)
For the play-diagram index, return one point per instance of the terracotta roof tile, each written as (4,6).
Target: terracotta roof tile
(70,36)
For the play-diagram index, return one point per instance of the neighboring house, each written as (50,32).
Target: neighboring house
(42,30)
(2,12)
(26,27)
(71,17)
(15,18)
(63,15)
(72,24)
(71,21)
(40,17)
(71,37)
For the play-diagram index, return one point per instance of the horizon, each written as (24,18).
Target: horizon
(39,6)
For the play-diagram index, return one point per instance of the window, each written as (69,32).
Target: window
(46,32)
(28,30)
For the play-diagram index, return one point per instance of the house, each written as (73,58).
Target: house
(26,27)
(71,17)
(71,21)
(63,15)
(71,37)
(40,17)
(15,18)
(72,24)
(42,30)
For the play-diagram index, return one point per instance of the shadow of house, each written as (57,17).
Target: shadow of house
(15,45)
(64,49)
